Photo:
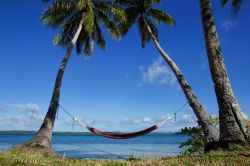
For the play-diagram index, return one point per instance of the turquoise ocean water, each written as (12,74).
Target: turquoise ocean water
(96,147)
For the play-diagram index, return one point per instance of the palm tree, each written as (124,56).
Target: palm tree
(80,24)
(142,12)
(233,125)
(243,122)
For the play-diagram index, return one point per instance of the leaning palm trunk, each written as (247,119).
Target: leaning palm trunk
(211,132)
(43,137)
(233,125)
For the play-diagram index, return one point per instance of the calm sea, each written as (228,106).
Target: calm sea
(96,147)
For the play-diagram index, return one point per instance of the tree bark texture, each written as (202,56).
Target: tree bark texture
(233,126)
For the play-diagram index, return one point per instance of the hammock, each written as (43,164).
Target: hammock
(113,135)
(123,135)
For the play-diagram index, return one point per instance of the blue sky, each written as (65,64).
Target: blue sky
(124,87)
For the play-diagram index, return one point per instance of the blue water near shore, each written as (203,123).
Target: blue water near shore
(96,147)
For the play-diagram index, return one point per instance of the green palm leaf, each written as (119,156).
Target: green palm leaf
(139,11)
(65,15)
(161,16)
(236,5)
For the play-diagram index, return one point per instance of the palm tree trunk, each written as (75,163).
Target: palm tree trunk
(42,139)
(233,126)
(211,132)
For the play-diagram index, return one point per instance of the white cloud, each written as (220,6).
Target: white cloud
(29,107)
(182,121)
(99,122)
(67,124)
(137,121)
(28,120)
(157,73)
(188,118)
(171,125)
(31,119)
(168,116)
(227,25)
(23,122)
(146,119)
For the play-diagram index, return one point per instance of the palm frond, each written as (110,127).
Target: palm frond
(145,36)
(45,1)
(100,40)
(126,2)
(131,15)
(81,41)
(59,12)
(161,16)
(111,9)
(81,4)
(137,11)
(88,18)
(152,2)
(223,2)
(109,25)
(236,5)
(153,28)
(68,29)
(67,14)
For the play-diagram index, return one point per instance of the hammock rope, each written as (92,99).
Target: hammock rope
(113,135)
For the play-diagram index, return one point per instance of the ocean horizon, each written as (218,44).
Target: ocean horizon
(87,145)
